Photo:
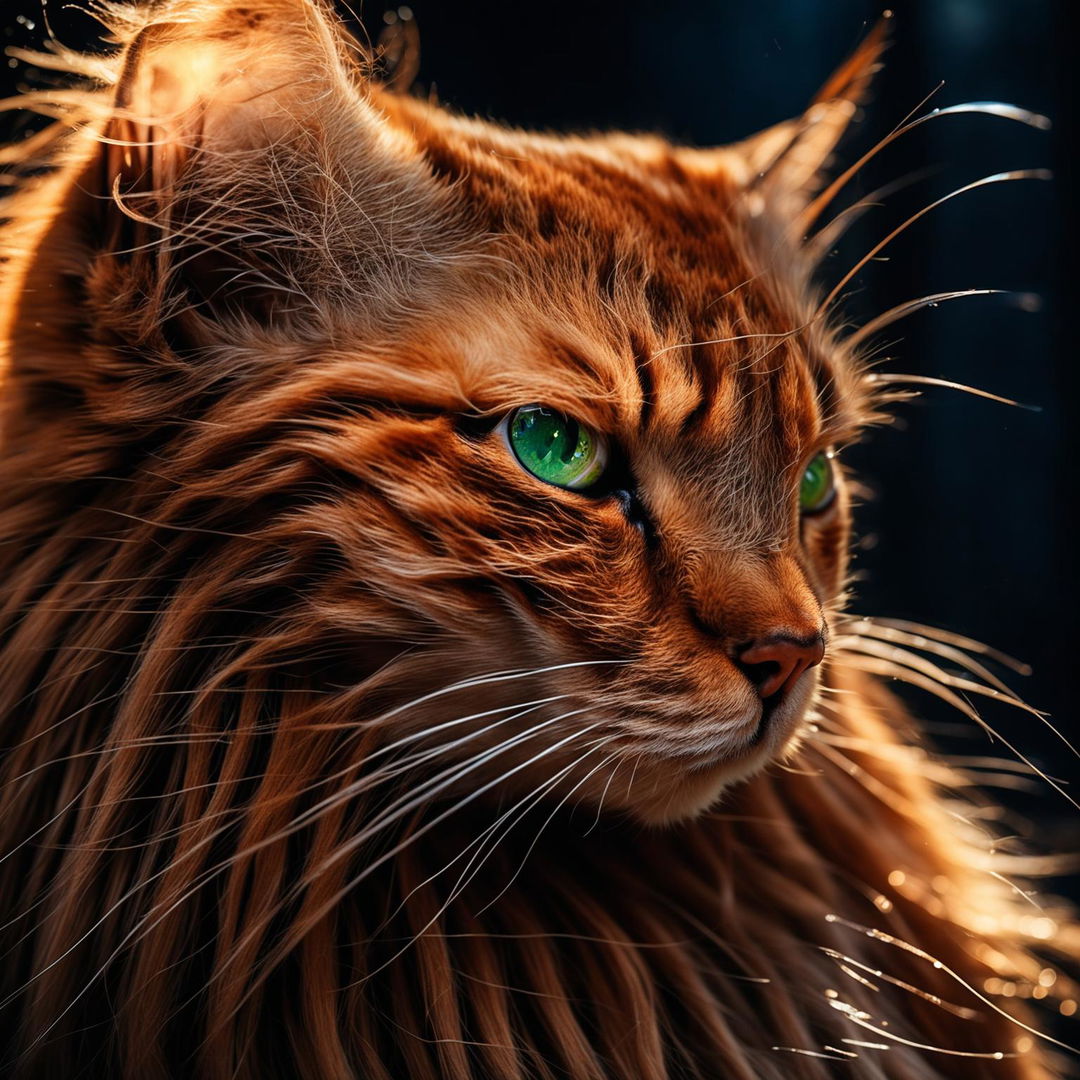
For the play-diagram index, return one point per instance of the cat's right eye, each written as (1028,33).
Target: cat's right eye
(555,447)
(818,486)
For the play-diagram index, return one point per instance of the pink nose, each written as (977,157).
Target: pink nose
(774,663)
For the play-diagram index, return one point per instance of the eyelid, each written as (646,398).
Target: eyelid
(476,426)
(830,450)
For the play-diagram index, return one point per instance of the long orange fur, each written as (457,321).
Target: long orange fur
(338,746)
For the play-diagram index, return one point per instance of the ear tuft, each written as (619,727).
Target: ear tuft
(851,81)
(788,162)
(239,163)
(233,182)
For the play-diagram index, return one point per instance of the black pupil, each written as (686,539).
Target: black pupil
(570,443)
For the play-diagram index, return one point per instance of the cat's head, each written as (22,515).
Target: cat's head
(534,437)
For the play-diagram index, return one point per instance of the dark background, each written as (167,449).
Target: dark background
(969,528)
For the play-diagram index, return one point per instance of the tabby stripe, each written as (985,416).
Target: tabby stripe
(642,362)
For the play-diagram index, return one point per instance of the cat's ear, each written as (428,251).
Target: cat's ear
(238,176)
(788,163)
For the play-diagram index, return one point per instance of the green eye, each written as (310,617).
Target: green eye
(818,484)
(556,448)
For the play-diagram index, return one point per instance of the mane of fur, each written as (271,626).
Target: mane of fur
(219,595)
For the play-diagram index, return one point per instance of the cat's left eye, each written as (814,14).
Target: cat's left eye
(818,487)
(555,447)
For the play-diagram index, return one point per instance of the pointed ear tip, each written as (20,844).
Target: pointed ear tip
(881,34)
(880,37)
(851,80)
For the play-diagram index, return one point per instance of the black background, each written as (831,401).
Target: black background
(969,528)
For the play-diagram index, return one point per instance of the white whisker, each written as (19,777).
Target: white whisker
(970,108)
(996,178)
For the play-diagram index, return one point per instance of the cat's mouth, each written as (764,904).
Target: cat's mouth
(682,789)
(660,760)
(689,775)
(781,717)
(769,707)
(766,726)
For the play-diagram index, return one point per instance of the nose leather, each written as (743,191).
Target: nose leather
(774,663)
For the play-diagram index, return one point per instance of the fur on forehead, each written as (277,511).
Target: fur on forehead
(253,166)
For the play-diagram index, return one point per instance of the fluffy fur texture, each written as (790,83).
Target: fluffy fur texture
(340,746)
